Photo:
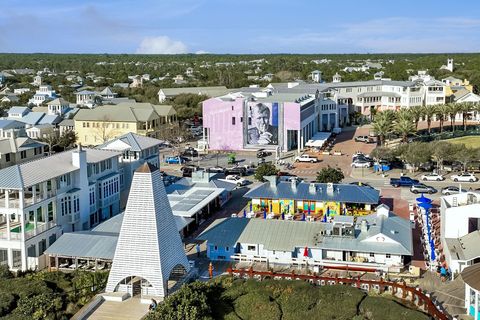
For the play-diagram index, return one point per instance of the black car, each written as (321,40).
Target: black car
(241,171)
(187,170)
(190,152)
(263,153)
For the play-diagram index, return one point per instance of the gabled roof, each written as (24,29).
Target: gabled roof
(136,142)
(14,145)
(30,173)
(59,101)
(464,248)
(6,124)
(341,192)
(107,92)
(471,276)
(20,110)
(125,111)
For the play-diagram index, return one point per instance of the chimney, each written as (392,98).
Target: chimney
(364,226)
(330,189)
(312,188)
(79,157)
(272,180)
(293,183)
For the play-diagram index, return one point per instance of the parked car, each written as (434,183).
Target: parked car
(306,158)
(241,171)
(263,153)
(187,170)
(174,160)
(452,190)
(190,152)
(403,182)
(464,177)
(361,164)
(422,188)
(362,158)
(359,154)
(216,169)
(365,139)
(432,177)
(236,179)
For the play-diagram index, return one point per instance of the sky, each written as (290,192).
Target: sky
(239,26)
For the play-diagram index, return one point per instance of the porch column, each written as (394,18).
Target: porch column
(299,135)
(8,226)
(22,223)
(6,198)
(475,309)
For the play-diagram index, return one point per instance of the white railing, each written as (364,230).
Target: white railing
(39,229)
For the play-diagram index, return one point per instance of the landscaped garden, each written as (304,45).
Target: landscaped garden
(228,298)
(46,295)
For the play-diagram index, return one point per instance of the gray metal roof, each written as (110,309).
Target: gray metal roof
(465,248)
(30,173)
(345,193)
(471,276)
(14,145)
(100,242)
(136,142)
(125,111)
(85,244)
(286,235)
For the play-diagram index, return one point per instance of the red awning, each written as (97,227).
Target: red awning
(305,252)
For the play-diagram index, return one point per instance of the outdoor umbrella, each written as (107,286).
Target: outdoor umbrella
(303,216)
(251,206)
(283,215)
(244,213)
(425,205)
(305,252)
(424,199)
(264,213)
(308,210)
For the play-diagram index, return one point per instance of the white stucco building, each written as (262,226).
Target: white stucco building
(459,230)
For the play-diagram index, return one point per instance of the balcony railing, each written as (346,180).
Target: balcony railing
(39,229)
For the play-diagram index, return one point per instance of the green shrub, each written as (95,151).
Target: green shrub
(7,303)
(384,309)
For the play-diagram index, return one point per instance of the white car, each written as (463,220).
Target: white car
(306,158)
(361,164)
(432,177)
(464,177)
(239,181)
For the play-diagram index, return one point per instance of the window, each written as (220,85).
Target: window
(233,107)
(40,215)
(388,256)
(42,246)
(227,248)
(372,254)
(23,154)
(215,248)
(251,248)
(7,157)
(50,211)
(233,121)
(3,257)
(17,259)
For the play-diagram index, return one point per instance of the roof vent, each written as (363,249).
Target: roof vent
(393,231)
(312,188)
(330,188)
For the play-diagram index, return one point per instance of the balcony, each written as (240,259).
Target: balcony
(30,230)
(108,201)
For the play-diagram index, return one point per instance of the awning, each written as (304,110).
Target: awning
(318,139)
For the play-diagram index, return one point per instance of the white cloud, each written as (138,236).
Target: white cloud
(161,45)
(201,52)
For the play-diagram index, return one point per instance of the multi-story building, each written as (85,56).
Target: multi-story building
(43,94)
(99,125)
(39,200)
(18,150)
(255,118)
(460,230)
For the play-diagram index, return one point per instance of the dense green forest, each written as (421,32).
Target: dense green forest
(227,298)
(116,68)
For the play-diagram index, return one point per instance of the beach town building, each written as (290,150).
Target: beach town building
(99,125)
(318,201)
(43,94)
(460,230)
(471,277)
(379,241)
(18,150)
(169,93)
(41,199)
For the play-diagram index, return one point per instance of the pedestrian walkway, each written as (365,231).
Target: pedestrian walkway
(130,309)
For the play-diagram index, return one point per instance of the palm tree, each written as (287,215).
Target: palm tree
(383,125)
(417,113)
(465,108)
(429,111)
(442,114)
(404,125)
(453,109)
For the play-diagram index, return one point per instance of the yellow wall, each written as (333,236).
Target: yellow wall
(93,133)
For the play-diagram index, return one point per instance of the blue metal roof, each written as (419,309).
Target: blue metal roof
(345,193)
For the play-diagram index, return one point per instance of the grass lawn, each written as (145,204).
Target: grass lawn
(28,227)
(469,141)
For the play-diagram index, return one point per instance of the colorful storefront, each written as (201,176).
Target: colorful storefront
(316,203)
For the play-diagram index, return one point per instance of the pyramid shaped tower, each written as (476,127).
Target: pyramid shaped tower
(149,246)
